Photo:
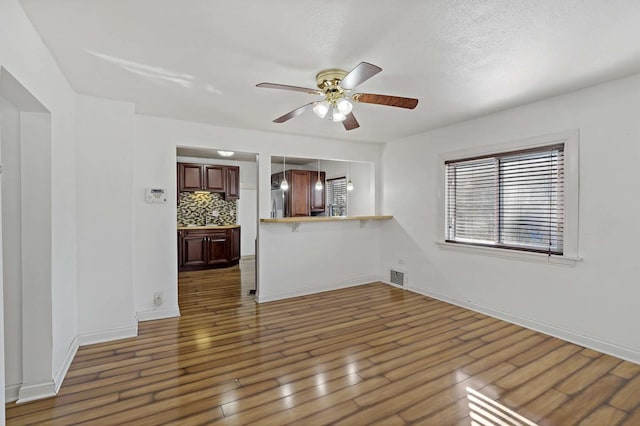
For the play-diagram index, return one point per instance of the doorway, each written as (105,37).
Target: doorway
(204,217)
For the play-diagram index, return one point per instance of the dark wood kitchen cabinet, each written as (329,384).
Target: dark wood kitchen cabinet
(302,198)
(208,248)
(189,177)
(209,177)
(232,190)
(235,244)
(214,178)
(297,197)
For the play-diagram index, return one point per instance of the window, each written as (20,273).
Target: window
(336,193)
(512,200)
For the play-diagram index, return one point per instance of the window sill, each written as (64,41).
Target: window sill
(511,254)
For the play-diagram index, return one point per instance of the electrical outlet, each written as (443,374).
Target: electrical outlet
(158,298)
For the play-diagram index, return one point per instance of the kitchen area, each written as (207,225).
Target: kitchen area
(303,187)
(315,231)
(210,213)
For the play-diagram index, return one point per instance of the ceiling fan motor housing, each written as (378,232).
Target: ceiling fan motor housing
(329,82)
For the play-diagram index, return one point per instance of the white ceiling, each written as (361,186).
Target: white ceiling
(200,60)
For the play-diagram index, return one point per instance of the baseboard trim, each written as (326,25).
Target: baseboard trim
(11,393)
(108,335)
(564,334)
(156,314)
(368,279)
(62,372)
(35,391)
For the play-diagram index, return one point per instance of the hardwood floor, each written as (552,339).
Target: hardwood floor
(371,354)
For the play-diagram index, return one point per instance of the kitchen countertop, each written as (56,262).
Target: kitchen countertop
(323,219)
(180,228)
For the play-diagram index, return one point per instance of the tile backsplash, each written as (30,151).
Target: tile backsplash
(200,208)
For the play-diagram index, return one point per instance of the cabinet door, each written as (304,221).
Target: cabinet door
(234,238)
(217,248)
(180,261)
(299,196)
(214,178)
(194,249)
(317,197)
(233,183)
(189,177)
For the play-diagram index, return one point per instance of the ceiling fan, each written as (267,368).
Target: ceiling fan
(336,86)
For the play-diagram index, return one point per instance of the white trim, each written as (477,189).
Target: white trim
(570,138)
(11,393)
(35,391)
(552,330)
(365,279)
(393,285)
(511,254)
(108,335)
(62,372)
(156,314)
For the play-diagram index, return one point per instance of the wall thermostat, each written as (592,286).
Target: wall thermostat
(155,195)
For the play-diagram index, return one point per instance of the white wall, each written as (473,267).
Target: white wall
(35,168)
(247,203)
(106,131)
(23,53)
(319,256)
(594,303)
(11,245)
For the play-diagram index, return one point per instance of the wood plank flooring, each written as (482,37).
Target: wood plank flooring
(371,354)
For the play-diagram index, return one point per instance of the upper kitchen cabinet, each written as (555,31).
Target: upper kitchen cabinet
(298,196)
(233,183)
(214,178)
(190,177)
(210,178)
(302,198)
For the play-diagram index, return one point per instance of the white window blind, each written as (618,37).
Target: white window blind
(509,200)
(336,193)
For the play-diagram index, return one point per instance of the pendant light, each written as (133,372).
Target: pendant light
(284,185)
(318,183)
(349,183)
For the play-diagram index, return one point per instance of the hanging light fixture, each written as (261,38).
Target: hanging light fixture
(318,183)
(284,185)
(349,183)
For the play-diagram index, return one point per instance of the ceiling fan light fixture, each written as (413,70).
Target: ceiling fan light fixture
(344,106)
(321,109)
(338,116)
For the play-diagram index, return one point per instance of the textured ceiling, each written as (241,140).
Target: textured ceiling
(200,60)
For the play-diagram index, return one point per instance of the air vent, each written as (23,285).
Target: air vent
(397,278)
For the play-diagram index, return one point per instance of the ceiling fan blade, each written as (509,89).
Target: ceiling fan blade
(350,122)
(288,116)
(293,88)
(394,101)
(361,73)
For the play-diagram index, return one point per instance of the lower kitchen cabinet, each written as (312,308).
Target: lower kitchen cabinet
(208,248)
